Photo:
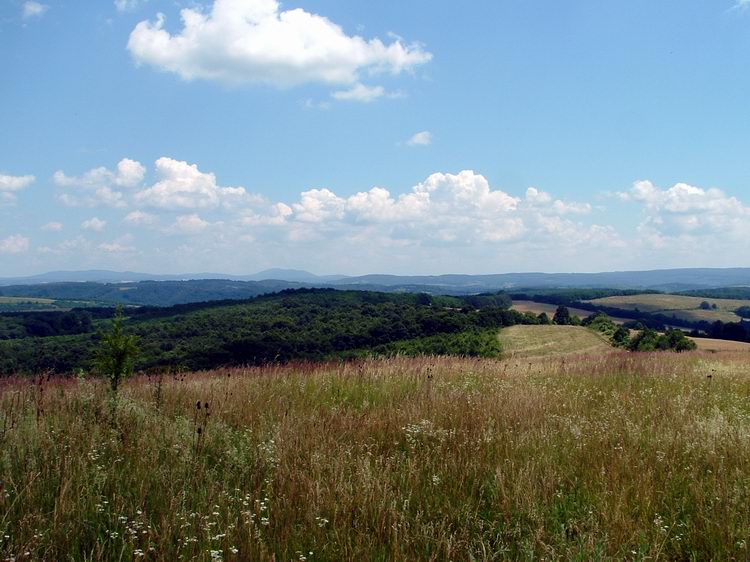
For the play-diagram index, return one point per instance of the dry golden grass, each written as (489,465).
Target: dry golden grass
(539,307)
(707,344)
(614,456)
(679,306)
(542,341)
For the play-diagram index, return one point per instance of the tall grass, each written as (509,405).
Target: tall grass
(621,456)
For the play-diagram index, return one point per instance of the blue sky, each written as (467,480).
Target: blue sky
(355,137)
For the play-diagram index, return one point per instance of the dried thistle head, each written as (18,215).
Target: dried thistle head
(198,405)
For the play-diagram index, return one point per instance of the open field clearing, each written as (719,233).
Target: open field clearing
(617,456)
(539,341)
(23,304)
(15,300)
(539,307)
(679,306)
(23,300)
(707,344)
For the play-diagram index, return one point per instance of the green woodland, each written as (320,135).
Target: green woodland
(304,324)
(292,325)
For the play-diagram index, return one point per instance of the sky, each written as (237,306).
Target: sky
(353,137)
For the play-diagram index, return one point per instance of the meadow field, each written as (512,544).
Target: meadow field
(709,344)
(22,300)
(611,456)
(551,340)
(678,306)
(548,309)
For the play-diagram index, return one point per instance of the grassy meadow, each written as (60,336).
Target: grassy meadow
(549,309)
(609,456)
(551,340)
(680,306)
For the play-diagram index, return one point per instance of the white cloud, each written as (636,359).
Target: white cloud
(140,218)
(128,5)
(423,138)
(9,185)
(53,226)
(119,246)
(15,244)
(78,246)
(682,198)
(94,223)
(446,208)
(689,220)
(183,185)
(544,203)
(129,173)
(100,186)
(360,92)
(33,10)
(254,41)
(15,183)
(188,224)
(276,214)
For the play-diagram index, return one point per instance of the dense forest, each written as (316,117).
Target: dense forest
(304,324)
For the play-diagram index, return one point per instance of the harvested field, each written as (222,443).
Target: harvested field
(542,341)
(707,344)
(677,306)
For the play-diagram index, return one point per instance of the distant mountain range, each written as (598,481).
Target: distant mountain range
(664,280)
(105,276)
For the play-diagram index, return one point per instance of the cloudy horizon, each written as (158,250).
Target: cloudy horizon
(240,135)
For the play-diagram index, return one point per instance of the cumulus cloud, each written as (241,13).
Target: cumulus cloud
(423,138)
(101,186)
(445,208)
(255,41)
(15,244)
(128,173)
(119,246)
(140,218)
(546,204)
(53,226)
(33,10)
(686,218)
(94,223)
(188,224)
(183,185)
(360,92)
(9,185)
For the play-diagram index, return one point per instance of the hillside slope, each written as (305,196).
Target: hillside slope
(305,324)
(542,341)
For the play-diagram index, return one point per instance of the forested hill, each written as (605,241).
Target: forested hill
(293,324)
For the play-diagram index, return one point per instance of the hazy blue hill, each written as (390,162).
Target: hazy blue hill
(666,280)
(297,275)
(151,293)
(130,287)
